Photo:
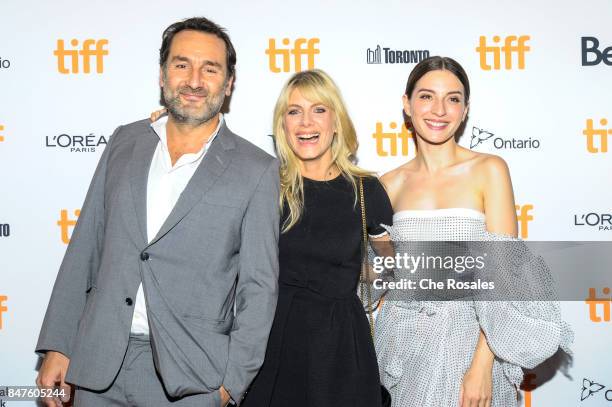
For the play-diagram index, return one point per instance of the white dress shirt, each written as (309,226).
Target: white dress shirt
(164,187)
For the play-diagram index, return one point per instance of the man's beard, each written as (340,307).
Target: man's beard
(190,116)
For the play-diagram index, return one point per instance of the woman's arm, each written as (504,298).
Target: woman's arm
(498,197)
(500,213)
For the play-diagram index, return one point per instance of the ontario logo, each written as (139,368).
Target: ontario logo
(5,230)
(77,143)
(591,388)
(482,136)
(386,55)
(5,63)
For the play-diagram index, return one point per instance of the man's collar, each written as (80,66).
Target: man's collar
(159,126)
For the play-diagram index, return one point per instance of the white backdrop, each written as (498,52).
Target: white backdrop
(547,102)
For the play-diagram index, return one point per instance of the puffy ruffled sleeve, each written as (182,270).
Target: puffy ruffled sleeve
(521,317)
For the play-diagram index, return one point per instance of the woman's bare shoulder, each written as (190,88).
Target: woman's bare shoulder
(399,175)
(484,165)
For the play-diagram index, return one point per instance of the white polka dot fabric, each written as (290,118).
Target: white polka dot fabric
(425,347)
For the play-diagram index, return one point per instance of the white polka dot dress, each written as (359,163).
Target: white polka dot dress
(424,348)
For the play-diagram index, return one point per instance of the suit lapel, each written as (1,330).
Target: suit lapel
(139,174)
(212,166)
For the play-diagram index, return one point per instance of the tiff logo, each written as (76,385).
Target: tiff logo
(66,224)
(86,52)
(391,148)
(523,217)
(528,386)
(590,132)
(3,307)
(374,56)
(593,301)
(1,136)
(298,51)
(512,45)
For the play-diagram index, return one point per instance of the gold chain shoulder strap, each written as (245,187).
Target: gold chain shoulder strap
(365,285)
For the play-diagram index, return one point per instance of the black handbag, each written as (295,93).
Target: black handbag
(365,286)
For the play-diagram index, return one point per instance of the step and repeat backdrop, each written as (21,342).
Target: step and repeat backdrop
(71,71)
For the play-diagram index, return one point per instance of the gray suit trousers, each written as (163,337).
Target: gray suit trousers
(139,385)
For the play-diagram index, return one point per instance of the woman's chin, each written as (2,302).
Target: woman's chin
(435,139)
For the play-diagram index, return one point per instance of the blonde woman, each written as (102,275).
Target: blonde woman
(320,353)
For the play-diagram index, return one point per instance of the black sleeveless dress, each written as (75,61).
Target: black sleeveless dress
(320,353)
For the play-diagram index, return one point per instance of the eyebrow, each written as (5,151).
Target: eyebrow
(206,62)
(312,104)
(449,93)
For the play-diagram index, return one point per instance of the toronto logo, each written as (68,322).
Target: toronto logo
(386,55)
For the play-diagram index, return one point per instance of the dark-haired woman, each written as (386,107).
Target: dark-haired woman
(454,353)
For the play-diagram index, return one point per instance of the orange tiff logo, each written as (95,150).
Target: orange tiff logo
(66,224)
(590,132)
(524,217)
(593,301)
(301,47)
(391,147)
(1,135)
(513,45)
(528,386)
(86,52)
(3,307)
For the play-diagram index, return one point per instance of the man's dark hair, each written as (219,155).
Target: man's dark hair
(204,25)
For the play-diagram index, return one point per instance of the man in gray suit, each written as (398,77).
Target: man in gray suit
(168,288)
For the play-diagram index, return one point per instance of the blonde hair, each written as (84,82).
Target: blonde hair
(316,86)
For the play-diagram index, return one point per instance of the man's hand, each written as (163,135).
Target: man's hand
(52,373)
(225,397)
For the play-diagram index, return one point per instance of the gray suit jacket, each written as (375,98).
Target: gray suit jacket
(218,247)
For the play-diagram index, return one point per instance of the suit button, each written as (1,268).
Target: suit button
(144,256)
(129,301)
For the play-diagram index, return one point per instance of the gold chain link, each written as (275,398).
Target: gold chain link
(365,286)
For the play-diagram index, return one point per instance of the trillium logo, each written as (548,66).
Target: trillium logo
(479,136)
(589,388)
